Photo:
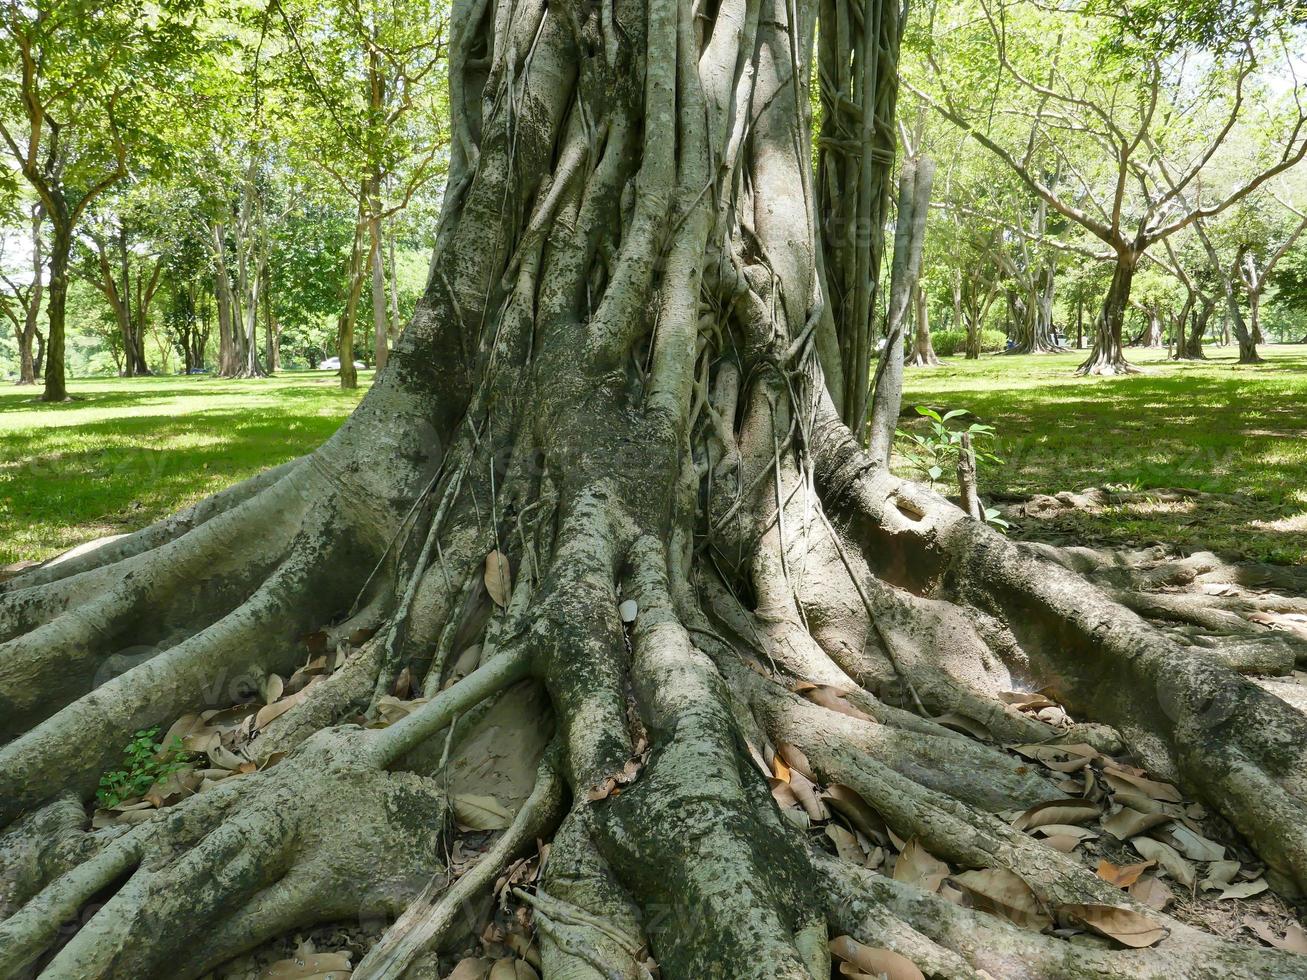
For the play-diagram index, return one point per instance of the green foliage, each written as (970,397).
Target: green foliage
(940,447)
(145,762)
(950,342)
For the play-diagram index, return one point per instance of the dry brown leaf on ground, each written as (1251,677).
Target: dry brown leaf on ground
(857,811)
(301,967)
(1128,823)
(916,866)
(1004,893)
(1068,811)
(1194,846)
(1152,892)
(1122,875)
(1293,941)
(1246,889)
(1151,787)
(1126,926)
(846,845)
(473,812)
(472,968)
(872,961)
(1168,858)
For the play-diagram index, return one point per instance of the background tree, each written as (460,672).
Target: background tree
(85,86)
(1098,100)
(367,80)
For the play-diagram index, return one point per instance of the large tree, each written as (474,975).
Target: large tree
(602,513)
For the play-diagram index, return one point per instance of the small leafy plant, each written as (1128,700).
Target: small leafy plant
(145,762)
(937,451)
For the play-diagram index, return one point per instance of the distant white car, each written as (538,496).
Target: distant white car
(333,364)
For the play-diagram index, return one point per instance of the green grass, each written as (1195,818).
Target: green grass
(133,450)
(1239,432)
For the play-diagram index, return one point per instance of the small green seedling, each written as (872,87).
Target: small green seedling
(937,451)
(145,762)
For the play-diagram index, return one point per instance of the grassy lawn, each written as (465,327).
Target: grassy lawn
(133,450)
(1236,432)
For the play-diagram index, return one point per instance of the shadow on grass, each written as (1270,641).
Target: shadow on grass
(1236,432)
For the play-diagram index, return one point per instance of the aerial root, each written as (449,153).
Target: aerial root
(956,942)
(952,764)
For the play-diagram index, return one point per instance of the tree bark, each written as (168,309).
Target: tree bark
(915,179)
(1107,357)
(923,351)
(61,245)
(29,367)
(602,514)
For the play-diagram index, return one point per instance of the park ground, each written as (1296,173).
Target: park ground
(131,451)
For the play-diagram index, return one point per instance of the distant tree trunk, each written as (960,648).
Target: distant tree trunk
(1107,356)
(1080,324)
(1154,326)
(228,347)
(29,368)
(923,351)
(38,360)
(395,325)
(380,317)
(348,316)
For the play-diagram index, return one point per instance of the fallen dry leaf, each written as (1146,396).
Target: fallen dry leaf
(857,811)
(474,812)
(1246,889)
(1069,811)
(1293,941)
(872,961)
(1004,893)
(916,866)
(334,965)
(1158,791)
(846,845)
(498,578)
(1168,857)
(1122,875)
(1130,823)
(1152,892)
(1126,926)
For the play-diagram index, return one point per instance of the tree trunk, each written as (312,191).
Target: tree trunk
(29,368)
(1107,356)
(601,513)
(60,250)
(915,179)
(923,351)
(349,313)
(380,321)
